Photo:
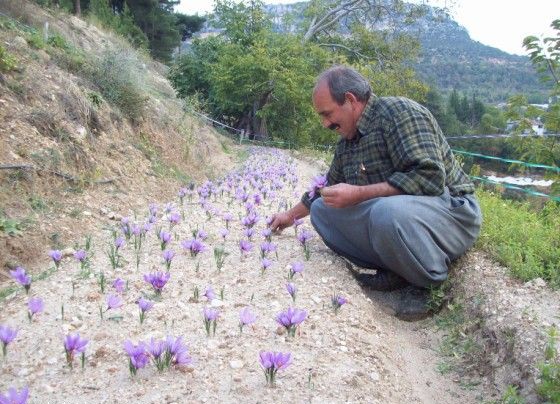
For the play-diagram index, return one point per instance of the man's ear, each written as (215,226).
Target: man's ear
(348,96)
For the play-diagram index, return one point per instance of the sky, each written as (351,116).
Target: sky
(502,24)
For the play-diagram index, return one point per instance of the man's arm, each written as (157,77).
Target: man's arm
(285,219)
(344,195)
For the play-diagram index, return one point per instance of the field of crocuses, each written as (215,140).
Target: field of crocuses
(195,300)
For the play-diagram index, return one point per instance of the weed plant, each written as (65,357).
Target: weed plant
(524,239)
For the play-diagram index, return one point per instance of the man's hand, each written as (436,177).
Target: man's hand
(341,195)
(280,221)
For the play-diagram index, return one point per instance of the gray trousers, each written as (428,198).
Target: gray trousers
(414,236)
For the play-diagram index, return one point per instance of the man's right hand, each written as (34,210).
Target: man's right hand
(280,221)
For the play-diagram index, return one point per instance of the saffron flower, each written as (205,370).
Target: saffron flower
(74,344)
(317,183)
(272,362)
(174,218)
(295,268)
(303,237)
(113,302)
(194,246)
(119,285)
(246,317)
(250,220)
(245,247)
(267,234)
(266,248)
(201,235)
(210,317)
(224,233)
(7,335)
(291,319)
(22,278)
(297,223)
(15,397)
(337,302)
(80,255)
(164,238)
(34,305)
(209,293)
(177,352)
(292,290)
(228,217)
(56,256)
(248,232)
(265,264)
(119,243)
(157,280)
(138,358)
(144,306)
(157,349)
(168,256)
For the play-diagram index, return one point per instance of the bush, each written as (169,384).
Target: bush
(522,238)
(7,61)
(118,75)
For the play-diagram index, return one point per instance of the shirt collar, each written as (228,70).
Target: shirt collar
(365,117)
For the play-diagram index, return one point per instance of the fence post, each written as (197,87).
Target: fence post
(46,32)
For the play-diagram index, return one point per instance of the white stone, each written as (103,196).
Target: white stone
(316,299)
(216,303)
(343,348)
(236,364)
(374,376)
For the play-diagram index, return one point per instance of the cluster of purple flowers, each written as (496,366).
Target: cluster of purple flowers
(291,319)
(164,354)
(272,362)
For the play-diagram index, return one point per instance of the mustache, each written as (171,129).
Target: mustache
(334,126)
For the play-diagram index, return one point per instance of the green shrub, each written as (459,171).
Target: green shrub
(58,41)
(118,74)
(7,61)
(549,385)
(35,40)
(524,239)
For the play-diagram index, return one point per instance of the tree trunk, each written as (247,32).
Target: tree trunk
(77,8)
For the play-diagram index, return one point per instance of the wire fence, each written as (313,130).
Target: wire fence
(242,138)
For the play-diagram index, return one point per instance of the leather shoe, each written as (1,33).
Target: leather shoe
(384,281)
(413,304)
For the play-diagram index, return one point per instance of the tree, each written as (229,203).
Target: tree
(189,24)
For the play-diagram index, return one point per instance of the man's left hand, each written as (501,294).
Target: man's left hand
(341,195)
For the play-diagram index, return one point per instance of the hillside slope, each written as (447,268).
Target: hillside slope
(88,127)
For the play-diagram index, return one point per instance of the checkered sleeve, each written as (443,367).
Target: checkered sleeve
(413,145)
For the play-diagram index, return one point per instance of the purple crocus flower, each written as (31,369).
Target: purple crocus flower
(34,305)
(224,233)
(304,236)
(56,256)
(113,302)
(137,356)
(267,247)
(291,319)
(157,280)
(22,278)
(168,256)
(292,290)
(337,302)
(164,238)
(210,318)
(13,397)
(174,218)
(246,317)
(119,285)
(318,182)
(209,293)
(245,246)
(80,255)
(178,352)
(7,335)
(228,217)
(265,264)
(145,306)
(267,234)
(201,235)
(74,344)
(272,362)
(248,232)
(156,349)
(295,268)
(194,246)
(250,220)
(119,243)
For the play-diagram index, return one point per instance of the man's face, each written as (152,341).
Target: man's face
(342,118)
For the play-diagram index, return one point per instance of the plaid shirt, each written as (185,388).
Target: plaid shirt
(398,141)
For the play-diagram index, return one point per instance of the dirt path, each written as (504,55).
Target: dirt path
(362,354)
